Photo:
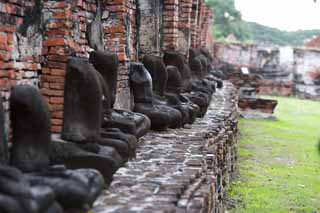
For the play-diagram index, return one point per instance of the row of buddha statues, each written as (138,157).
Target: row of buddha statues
(42,173)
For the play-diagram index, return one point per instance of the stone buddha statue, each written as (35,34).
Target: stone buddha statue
(193,90)
(159,74)
(200,59)
(161,116)
(83,110)
(173,91)
(129,122)
(43,187)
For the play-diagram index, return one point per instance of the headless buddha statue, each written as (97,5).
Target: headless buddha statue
(129,122)
(160,78)
(31,149)
(161,116)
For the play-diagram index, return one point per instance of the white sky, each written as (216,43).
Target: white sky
(282,14)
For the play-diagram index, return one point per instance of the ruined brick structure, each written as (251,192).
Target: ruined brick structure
(314,43)
(307,73)
(38,36)
(283,71)
(273,65)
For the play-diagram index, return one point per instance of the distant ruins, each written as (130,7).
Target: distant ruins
(284,71)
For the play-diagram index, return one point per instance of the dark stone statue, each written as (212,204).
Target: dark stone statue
(105,159)
(82,103)
(200,61)
(30,121)
(177,59)
(83,110)
(161,116)
(196,68)
(42,185)
(174,89)
(132,123)
(18,195)
(157,70)
(192,90)
(159,74)
(74,189)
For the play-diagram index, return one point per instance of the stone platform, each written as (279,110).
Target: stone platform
(182,170)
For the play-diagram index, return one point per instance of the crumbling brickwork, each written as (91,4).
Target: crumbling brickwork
(314,43)
(273,65)
(64,36)
(307,73)
(37,37)
(184,26)
(283,71)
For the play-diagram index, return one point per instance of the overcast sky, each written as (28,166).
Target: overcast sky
(282,14)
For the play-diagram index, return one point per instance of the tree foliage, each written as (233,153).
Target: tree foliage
(228,20)
(263,34)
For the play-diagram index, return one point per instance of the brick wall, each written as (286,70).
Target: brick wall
(184,26)
(170,24)
(65,36)
(120,29)
(38,36)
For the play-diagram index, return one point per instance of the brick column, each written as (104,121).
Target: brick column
(194,22)
(120,37)
(206,21)
(184,26)
(199,23)
(170,24)
(65,36)
(56,51)
(206,34)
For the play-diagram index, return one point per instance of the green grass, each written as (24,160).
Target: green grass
(279,161)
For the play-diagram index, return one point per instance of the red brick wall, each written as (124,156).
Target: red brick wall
(201,25)
(65,36)
(184,26)
(120,37)
(35,49)
(170,24)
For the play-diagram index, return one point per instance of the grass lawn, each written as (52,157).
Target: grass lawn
(279,161)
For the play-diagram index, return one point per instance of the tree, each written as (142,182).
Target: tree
(228,20)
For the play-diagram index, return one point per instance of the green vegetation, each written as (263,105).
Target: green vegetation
(279,161)
(264,34)
(228,22)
